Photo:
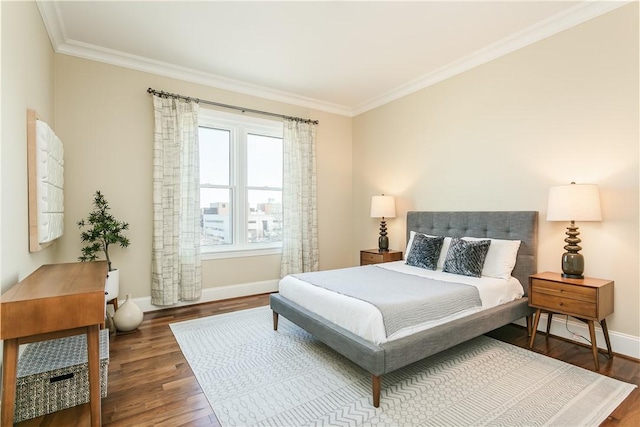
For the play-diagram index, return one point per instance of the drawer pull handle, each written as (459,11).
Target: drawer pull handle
(61,378)
(561,304)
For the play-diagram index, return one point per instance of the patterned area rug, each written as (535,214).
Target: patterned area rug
(254,376)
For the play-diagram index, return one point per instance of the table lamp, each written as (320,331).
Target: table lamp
(383,207)
(573,202)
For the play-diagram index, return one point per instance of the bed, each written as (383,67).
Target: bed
(379,358)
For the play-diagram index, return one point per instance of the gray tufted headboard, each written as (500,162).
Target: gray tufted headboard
(508,225)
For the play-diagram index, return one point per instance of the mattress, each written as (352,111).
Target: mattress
(365,320)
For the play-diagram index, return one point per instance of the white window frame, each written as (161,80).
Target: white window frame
(239,127)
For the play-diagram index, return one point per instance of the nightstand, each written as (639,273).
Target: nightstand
(585,299)
(374,256)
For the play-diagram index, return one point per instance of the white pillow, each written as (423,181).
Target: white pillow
(443,251)
(500,259)
(409,243)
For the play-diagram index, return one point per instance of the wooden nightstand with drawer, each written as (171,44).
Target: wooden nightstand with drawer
(374,256)
(585,299)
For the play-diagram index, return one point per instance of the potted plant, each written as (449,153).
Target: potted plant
(102,231)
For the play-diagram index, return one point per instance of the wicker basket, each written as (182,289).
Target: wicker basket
(54,375)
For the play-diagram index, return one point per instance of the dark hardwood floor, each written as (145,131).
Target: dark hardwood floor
(151,384)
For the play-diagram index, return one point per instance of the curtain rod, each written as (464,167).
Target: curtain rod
(232,107)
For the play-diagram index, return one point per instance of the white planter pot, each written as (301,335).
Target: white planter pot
(112,285)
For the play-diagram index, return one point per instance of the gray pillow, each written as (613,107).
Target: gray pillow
(466,257)
(425,251)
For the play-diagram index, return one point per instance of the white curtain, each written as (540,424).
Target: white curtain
(300,214)
(176,263)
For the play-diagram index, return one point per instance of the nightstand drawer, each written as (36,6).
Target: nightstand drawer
(563,290)
(369,258)
(373,256)
(565,305)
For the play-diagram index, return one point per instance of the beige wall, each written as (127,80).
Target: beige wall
(27,82)
(105,118)
(498,136)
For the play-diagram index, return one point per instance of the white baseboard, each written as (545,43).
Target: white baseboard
(624,344)
(214,294)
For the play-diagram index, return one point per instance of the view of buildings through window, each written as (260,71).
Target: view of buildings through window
(240,185)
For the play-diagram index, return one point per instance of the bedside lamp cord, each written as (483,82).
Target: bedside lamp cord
(575,334)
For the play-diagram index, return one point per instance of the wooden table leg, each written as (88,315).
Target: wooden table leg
(594,345)
(535,327)
(93,347)
(9,372)
(605,331)
(549,319)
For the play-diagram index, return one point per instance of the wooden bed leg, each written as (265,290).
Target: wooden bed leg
(529,324)
(275,321)
(376,390)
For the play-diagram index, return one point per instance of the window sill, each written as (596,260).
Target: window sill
(241,253)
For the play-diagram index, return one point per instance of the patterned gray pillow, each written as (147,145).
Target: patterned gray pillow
(466,257)
(425,251)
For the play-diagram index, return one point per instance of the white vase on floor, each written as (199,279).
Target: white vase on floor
(128,316)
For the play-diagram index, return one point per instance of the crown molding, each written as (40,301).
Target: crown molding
(50,12)
(543,29)
(126,60)
(51,16)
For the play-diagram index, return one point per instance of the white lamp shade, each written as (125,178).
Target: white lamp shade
(574,202)
(383,207)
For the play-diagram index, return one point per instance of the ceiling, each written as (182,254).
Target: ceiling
(344,57)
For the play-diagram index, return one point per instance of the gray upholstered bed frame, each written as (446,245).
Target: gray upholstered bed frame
(387,357)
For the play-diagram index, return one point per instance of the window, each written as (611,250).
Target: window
(240,183)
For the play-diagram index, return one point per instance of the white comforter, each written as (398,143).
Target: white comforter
(365,320)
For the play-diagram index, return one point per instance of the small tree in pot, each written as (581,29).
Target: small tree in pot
(102,231)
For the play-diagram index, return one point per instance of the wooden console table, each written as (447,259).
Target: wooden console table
(55,301)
